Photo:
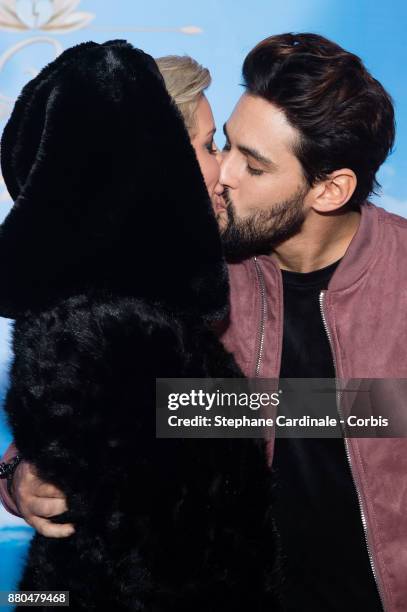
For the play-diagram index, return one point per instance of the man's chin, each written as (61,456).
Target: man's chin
(260,233)
(237,246)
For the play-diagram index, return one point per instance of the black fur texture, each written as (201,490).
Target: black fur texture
(112,267)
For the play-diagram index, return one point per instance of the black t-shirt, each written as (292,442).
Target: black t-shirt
(324,554)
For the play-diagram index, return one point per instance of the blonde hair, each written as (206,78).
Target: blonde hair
(186,80)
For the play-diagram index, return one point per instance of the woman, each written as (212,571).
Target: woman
(115,275)
(186,81)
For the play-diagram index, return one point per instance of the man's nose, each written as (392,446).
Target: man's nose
(226,177)
(219,188)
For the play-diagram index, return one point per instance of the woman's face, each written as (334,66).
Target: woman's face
(205,148)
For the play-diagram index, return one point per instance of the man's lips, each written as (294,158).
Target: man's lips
(219,203)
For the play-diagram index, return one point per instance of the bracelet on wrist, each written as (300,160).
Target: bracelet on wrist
(7,471)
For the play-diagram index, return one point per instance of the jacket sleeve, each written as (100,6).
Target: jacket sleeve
(5,497)
(82,390)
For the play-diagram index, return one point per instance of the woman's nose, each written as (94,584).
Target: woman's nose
(218,155)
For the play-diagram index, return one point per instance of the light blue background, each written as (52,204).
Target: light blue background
(376,31)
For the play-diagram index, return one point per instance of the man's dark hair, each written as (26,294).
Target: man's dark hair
(344,116)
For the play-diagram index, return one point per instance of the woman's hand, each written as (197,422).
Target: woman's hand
(38,501)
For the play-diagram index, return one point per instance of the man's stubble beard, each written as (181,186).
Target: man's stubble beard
(263,230)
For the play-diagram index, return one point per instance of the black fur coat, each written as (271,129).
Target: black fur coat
(111,267)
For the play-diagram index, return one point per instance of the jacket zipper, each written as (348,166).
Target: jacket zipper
(359,497)
(262,286)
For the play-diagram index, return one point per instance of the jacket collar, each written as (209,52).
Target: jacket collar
(361,251)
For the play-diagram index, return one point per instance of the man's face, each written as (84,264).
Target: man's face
(264,186)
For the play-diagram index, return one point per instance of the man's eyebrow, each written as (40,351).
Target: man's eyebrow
(211,132)
(250,151)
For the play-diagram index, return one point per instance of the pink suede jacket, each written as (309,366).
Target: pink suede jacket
(364,312)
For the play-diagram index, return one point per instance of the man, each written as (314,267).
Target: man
(318,289)
(303,147)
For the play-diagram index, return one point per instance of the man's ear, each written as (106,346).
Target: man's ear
(335,191)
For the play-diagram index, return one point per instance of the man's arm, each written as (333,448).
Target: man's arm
(33,499)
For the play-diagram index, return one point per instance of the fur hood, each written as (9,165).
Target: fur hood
(108,195)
